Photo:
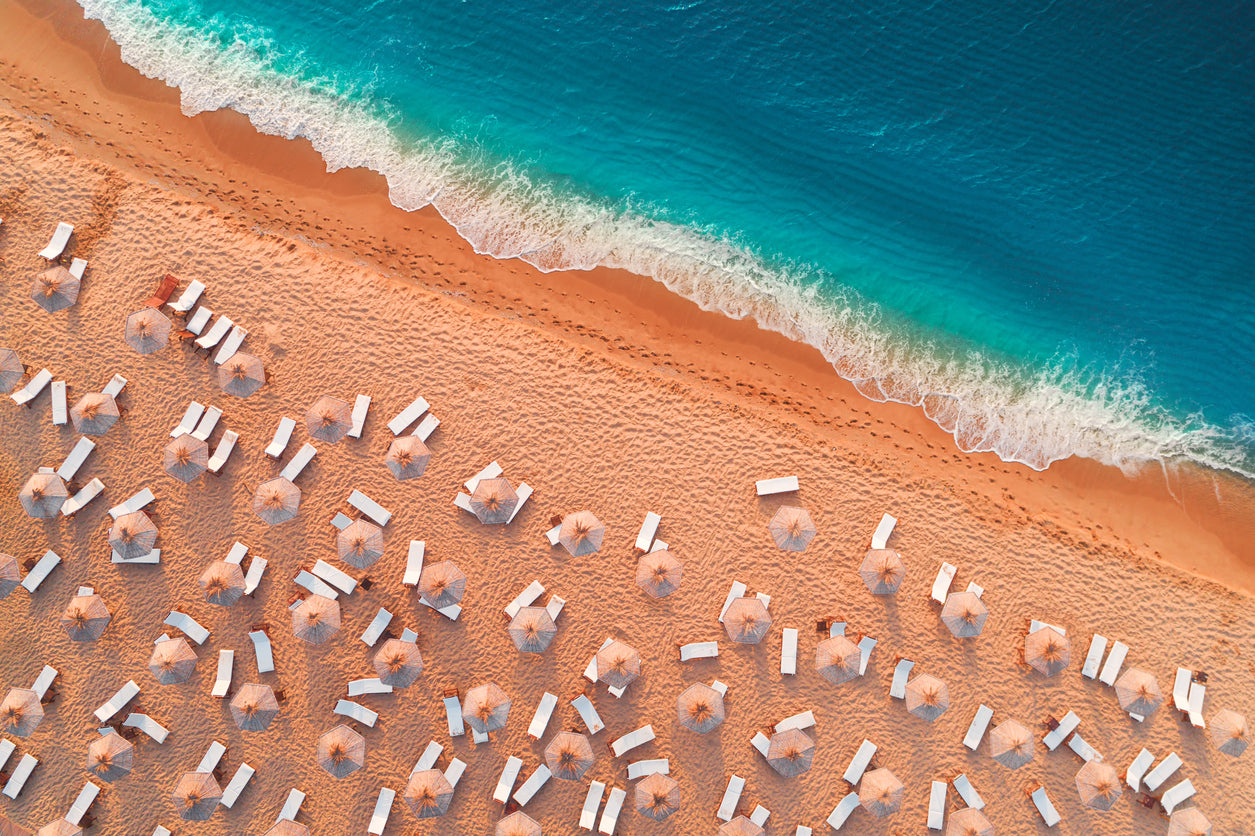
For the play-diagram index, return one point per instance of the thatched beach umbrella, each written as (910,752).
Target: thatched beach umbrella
(517,823)
(186,458)
(241,375)
(94,413)
(254,708)
(1099,785)
(790,752)
(196,796)
(407,457)
(747,620)
(329,419)
(147,330)
(360,544)
(442,584)
(223,583)
(428,793)
(1229,732)
(277,500)
(969,822)
(316,619)
(86,618)
(1047,650)
(792,528)
(1011,744)
(55,289)
(43,495)
(882,571)
(21,712)
(740,826)
(880,793)
(11,370)
(398,663)
(341,751)
(172,661)
(8,828)
(581,533)
(659,573)
(110,757)
(59,827)
(699,708)
(927,697)
(569,756)
(486,707)
(1189,821)
(964,613)
(133,535)
(1138,692)
(618,664)
(493,500)
(10,577)
(657,796)
(532,629)
(287,827)
(837,659)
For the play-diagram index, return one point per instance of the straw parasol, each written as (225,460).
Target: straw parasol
(398,663)
(341,751)
(927,697)
(329,419)
(288,827)
(21,712)
(42,495)
(792,528)
(1098,785)
(172,661)
(360,544)
(196,796)
(86,618)
(493,500)
(277,500)
(1189,821)
(407,457)
(581,533)
(969,822)
(110,757)
(10,577)
(740,826)
(882,571)
(428,793)
(59,827)
(659,573)
(147,330)
(133,535)
(517,823)
(1138,692)
(94,413)
(254,708)
(790,752)
(223,583)
(11,370)
(699,708)
(316,619)
(55,289)
(532,629)
(657,796)
(442,584)
(486,708)
(880,793)
(569,756)
(964,613)
(1047,650)
(8,828)
(241,375)
(1229,732)
(837,659)
(1011,744)
(747,620)
(186,458)
(618,664)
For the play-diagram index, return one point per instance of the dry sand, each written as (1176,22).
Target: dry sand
(603,393)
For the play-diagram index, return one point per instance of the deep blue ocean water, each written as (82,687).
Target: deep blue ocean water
(1036,221)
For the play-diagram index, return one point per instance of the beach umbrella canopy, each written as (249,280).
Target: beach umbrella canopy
(360,544)
(398,663)
(133,535)
(1098,785)
(618,664)
(486,707)
(882,571)
(659,573)
(792,528)
(223,583)
(517,823)
(147,330)
(94,413)
(1229,732)
(837,659)
(407,457)
(657,796)
(10,578)
(1011,744)
(11,371)
(1189,821)
(316,619)
(21,712)
(329,419)
(59,827)
(241,375)
(532,629)
(964,613)
(8,828)
(927,697)
(341,751)
(172,661)
(790,752)
(442,584)
(740,826)
(493,500)
(428,793)
(569,756)
(196,796)
(699,708)
(1138,692)
(581,533)
(277,500)
(186,458)
(86,618)
(110,757)
(880,793)
(1047,650)
(254,708)
(969,822)
(288,828)
(42,495)
(55,289)
(747,620)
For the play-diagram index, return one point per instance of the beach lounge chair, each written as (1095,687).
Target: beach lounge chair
(238,781)
(161,831)
(761,743)
(134,503)
(866,645)
(44,681)
(858,764)
(524,492)
(78,267)
(213,756)
(205,427)
(463,501)
(802,721)
(1137,769)
(216,332)
(189,297)
(698,650)
(188,625)
(941,586)
(1197,691)
(1181,690)
(230,345)
(737,591)
(491,471)
(453,772)
(40,571)
(262,650)
(1097,647)
(639,769)
(17,778)
(1175,796)
(976,731)
(901,670)
(505,784)
(937,806)
(1066,726)
(314,585)
(297,463)
(340,580)
(341,520)
(1155,778)
(632,739)
(148,726)
(190,418)
(524,599)
(256,568)
(555,606)
(1045,808)
(532,785)
(1110,670)
(79,501)
(731,797)
(649,530)
(383,809)
(165,287)
(408,416)
(760,815)
(291,806)
(788,652)
(225,445)
(360,407)
(196,323)
(82,803)
(356,711)
(60,237)
(60,411)
(77,456)
(453,713)
(1083,750)
(610,815)
(426,427)
(540,720)
(369,507)
(1034,625)
(116,384)
(376,627)
(588,713)
(781,484)
(369,685)
(32,388)
(115,703)
(7,747)
(222,682)
(967,792)
(428,759)
(592,800)
(846,806)
(551,535)
(883,529)
(283,433)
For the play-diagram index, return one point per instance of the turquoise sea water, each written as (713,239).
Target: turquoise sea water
(1035,221)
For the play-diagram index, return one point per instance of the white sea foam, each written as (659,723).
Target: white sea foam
(1032,417)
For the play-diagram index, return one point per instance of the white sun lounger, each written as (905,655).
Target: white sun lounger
(115,704)
(975,588)
(408,415)
(161,831)
(76,503)
(17,779)
(215,333)
(760,815)
(60,412)
(78,267)
(781,484)
(524,493)
(383,809)
(610,815)
(1034,625)
(937,805)
(540,720)
(1110,670)
(148,726)
(190,417)
(639,769)
(698,650)
(551,535)
(588,713)
(7,748)
(230,345)
(369,507)
(1066,726)
(450,612)
(1137,769)
(189,298)
(1172,798)
(720,687)
(802,720)
(836,628)
(649,530)
(198,320)
(453,772)
(428,759)
(283,434)
(453,715)
(836,819)
(77,456)
(208,420)
(788,652)
(1197,691)
(1045,808)
(967,792)
(525,598)
(1181,690)
(883,529)
(256,568)
(376,627)
(297,463)
(509,773)
(555,606)
(731,797)
(532,785)
(356,711)
(976,731)
(858,765)
(222,682)
(592,800)
(82,803)
(292,806)
(370,685)
(190,626)
(865,647)
(238,782)
(137,501)
(263,651)
(941,586)
(463,501)
(658,546)
(761,743)
(737,591)
(1083,750)
(60,237)
(897,688)
(40,571)
(803,830)
(335,577)
(1097,647)
(213,756)
(361,405)
(152,557)
(631,740)
(116,384)
(314,585)
(426,427)
(44,681)
(491,471)
(414,563)
(225,445)
(32,388)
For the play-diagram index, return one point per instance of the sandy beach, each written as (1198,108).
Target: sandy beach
(603,392)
